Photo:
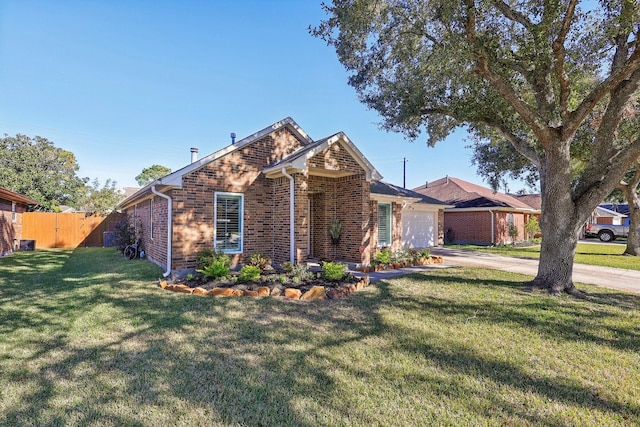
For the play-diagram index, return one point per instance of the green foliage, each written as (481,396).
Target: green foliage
(335,229)
(249,273)
(532,227)
(258,260)
(383,257)
(36,168)
(150,174)
(213,264)
(287,267)
(98,200)
(218,268)
(334,270)
(513,232)
(206,257)
(299,271)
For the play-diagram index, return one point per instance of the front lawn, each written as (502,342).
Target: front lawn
(87,338)
(604,254)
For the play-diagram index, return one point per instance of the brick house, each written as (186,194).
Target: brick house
(479,215)
(274,193)
(12,206)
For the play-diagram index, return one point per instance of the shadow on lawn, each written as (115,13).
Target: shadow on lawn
(557,317)
(149,357)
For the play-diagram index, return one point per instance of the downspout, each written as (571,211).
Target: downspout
(492,227)
(292,227)
(169,228)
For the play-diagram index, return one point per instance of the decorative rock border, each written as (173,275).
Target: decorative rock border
(314,294)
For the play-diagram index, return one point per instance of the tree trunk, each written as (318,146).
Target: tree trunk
(559,223)
(633,239)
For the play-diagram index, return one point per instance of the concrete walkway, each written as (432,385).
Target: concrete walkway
(615,278)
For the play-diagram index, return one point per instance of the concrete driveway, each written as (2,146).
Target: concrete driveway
(615,278)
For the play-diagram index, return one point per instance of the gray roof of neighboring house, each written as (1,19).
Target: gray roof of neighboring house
(387,189)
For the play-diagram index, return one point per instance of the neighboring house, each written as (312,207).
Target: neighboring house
(12,206)
(621,208)
(479,215)
(276,193)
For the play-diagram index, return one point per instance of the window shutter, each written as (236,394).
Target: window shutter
(384,224)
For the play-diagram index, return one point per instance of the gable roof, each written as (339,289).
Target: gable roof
(603,211)
(466,195)
(16,197)
(298,159)
(174,179)
(533,200)
(381,188)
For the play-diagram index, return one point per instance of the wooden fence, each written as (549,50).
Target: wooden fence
(66,230)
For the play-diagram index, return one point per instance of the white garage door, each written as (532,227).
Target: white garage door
(418,229)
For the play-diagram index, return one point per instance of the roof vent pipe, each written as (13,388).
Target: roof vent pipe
(194,154)
(233,137)
(426,184)
(447,179)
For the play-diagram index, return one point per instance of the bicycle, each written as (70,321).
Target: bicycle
(132,251)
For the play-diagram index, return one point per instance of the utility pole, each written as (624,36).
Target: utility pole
(404,172)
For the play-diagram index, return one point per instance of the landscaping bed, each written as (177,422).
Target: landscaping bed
(270,285)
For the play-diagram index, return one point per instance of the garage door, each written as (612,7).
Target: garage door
(418,229)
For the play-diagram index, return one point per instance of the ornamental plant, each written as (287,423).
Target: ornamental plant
(249,273)
(334,270)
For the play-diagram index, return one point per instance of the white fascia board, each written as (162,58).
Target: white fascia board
(428,207)
(385,198)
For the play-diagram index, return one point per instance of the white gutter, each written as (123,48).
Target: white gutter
(169,228)
(492,227)
(292,227)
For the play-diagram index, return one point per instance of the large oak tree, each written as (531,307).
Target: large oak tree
(532,71)
(37,168)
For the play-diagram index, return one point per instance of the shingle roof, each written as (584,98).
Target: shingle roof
(15,197)
(463,194)
(387,189)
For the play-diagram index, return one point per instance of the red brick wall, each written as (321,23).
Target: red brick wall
(10,230)
(475,226)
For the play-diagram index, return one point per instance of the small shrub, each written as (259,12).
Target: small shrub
(513,232)
(205,258)
(258,260)
(296,280)
(334,270)
(383,257)
(424,253)
(283,279)
(532,227)
(299,271)
(287,267)
(218,268)
(249,273)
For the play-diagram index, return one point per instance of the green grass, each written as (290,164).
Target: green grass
(87,338)
(605,254)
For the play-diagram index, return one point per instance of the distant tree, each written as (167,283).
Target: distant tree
(36,168)
(100,200)
(533,72)
(150,174)
(629,190)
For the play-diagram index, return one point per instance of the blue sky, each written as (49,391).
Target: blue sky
(127,84)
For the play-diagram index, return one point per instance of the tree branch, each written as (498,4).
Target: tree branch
(559,53)
(498,82)
(513,15)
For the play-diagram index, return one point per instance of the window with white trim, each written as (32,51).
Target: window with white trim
(14,212)
(384,224)
(228,227)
